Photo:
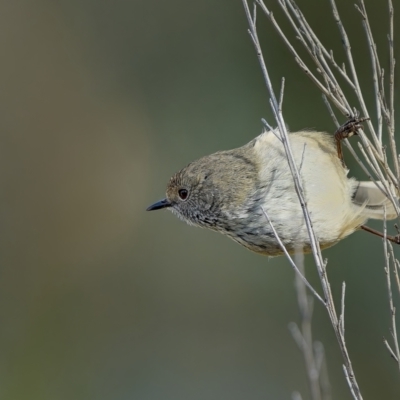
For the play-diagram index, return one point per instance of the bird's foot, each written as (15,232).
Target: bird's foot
(346,131)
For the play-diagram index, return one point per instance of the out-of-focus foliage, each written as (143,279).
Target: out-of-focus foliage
(100,103)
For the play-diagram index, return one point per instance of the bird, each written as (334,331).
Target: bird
(228,192)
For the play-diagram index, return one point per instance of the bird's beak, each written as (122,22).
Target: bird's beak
(160,204)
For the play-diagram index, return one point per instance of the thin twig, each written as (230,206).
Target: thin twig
(341,319)
(271,129)
(302,157)
(391,90)
(305,308)
(349,383)
(323,371)
(385,342)
(353,72)
(292,263)
(296,396)
(317,52)
(281,95)
(320,264)
(396,267)
(389,289)
(298,59)
(376,68)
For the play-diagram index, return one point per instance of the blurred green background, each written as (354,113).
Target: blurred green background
(101,101)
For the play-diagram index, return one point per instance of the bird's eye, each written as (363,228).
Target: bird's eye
(183,194)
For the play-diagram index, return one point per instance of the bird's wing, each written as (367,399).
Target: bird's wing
(373,201)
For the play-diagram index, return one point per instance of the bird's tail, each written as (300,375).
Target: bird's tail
(373,201)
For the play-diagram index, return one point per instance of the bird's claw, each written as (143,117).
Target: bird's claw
(350,128)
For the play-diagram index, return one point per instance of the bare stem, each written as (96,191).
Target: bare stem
(390,292)
(292,263)
(320,264)
(305,344)
(391,90)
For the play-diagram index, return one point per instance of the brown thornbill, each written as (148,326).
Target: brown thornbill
(228,190)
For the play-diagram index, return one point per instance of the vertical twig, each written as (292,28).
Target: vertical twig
(320,264)
(291,261)
(303,336)
(391,91)
(390,293)
(347,47)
